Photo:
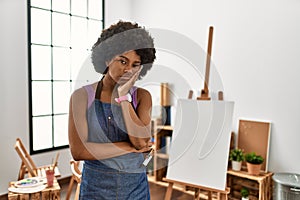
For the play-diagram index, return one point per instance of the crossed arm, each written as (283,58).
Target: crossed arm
(81,148)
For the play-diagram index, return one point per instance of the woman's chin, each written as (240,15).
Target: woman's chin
(122,81)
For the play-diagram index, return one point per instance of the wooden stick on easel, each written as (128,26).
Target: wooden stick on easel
(190,96)
(221,194)
(205,91)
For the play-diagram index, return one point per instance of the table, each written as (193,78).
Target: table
(49,193)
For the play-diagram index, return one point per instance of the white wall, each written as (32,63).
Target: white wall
(256,51)
(117,10)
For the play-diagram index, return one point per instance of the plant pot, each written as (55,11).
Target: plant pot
(236,165)
(253,169)
(245,198)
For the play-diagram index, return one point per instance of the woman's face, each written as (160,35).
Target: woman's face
(122,67)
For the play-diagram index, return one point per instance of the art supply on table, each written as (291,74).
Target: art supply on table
(50,177)
(28,182)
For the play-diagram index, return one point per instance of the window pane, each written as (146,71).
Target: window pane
(81,66)
(61,97)
(61,5)
(95,9)
(79,7)
(41,3)
(94,31)
(77,61)
(61,29)
(62,32)
(42,132)
(79,32)
(41,98)
(40,62)
(61,63)
(61,130)
(40,26)
(86,75)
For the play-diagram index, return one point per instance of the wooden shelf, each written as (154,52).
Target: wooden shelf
(160,158)
(162,155)
(244,174)
(259,186)
(164,127)
(163,131)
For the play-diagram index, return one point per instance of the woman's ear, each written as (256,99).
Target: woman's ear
(106,70)
(108,63)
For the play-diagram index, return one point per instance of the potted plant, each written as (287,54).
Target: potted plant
(245,193)
(254,163)
(237,157)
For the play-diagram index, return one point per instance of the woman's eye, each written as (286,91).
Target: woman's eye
(123,62)
(136,65)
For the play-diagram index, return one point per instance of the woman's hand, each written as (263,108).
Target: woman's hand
(147,148)
(124,84)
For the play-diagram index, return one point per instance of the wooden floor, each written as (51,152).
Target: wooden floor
(157,192)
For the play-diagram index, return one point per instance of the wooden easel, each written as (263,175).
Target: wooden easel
(221,195)
(28,167)
(205,92)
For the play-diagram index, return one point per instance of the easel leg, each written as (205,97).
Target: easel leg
(209,195)
(22,171)
(197,188)
(169,191)
(197,194)
(70,187)
(222,196)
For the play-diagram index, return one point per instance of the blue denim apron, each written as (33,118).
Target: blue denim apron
(122,177)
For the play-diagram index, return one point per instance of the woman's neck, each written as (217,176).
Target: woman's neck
(108,83)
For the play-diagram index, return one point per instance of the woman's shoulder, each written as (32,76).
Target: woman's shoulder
(85,90)
(142,93)
(91,87)
(138,95)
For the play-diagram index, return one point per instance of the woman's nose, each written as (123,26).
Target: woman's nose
(128,68)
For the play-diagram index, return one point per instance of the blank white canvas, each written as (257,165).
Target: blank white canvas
(200,143)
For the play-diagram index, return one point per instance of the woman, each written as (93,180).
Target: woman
(109,121)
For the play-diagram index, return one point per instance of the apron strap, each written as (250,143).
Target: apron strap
(99,89)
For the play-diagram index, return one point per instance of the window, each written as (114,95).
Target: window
(60,34)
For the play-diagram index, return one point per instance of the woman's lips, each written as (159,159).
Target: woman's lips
(124,78)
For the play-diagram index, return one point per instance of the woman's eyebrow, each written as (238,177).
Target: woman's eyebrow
(137,61)
(123,57)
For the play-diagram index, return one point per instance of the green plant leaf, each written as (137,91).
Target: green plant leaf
(253,158)
(237,155)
